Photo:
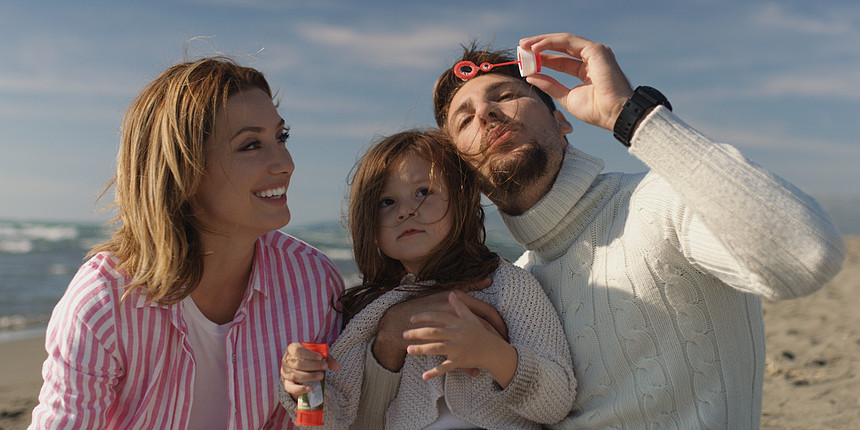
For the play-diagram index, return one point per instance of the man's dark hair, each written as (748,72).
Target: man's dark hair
(448,83)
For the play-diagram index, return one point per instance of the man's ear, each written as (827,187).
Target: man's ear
(564,126)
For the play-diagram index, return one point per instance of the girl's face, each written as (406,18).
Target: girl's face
(248,169)
(413,213)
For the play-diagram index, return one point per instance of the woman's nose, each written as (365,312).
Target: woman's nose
(282,162)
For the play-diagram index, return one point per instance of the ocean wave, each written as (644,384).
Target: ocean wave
(20,322)
(47,232)
(16,246)
(22,334)
(28,237)
(337,253)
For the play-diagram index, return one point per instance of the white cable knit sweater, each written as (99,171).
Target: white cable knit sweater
(652,276)
(542,390)
(658,277)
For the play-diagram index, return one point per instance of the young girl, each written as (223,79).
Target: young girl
(417,228)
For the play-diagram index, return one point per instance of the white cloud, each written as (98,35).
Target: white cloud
(775,137)
(417,48)
(91,84)
(833,22)
(403,46)
(832,84)
(825,84)
(328,104)
(63,113)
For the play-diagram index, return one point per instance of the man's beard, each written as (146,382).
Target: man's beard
(509,176)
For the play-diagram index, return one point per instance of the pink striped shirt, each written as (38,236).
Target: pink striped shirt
(128,364)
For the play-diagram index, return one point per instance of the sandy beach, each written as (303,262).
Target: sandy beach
(20,380)
(811,381)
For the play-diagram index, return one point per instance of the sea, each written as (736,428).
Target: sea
(39,259)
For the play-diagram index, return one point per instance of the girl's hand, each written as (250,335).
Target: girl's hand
(300,365)
(464,341)
(487,315)
(390,346)
(604,89)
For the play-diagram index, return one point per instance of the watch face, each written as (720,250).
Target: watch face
(654,96)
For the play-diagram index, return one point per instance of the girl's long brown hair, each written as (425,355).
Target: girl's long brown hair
(461,258)
(159,167)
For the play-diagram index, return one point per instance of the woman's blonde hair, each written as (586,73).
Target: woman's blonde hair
(159,167)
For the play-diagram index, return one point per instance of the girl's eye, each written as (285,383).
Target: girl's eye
(422,192)
(386,202)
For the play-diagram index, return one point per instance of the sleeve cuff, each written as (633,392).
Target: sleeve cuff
(527,374)
(286,400)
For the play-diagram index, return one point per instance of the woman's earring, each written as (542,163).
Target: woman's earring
(381,254)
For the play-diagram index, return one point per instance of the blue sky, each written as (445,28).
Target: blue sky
(780,80)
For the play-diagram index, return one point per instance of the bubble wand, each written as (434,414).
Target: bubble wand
(527,61)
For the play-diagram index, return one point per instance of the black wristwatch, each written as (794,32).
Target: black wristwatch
(642,99)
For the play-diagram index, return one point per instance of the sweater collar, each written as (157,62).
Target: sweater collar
(577,174)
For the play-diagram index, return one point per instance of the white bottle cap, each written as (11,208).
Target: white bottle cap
(529,62)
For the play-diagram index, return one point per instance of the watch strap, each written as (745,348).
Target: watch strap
(643,98)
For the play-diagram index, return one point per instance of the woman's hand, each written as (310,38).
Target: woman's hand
(604,89)
(300,365)
(464,341)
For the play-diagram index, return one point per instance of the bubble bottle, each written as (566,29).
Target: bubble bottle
(527,61)
(309,410)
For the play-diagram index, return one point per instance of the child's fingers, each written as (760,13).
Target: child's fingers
(460,307)
(295,390)
(300,365)
(299,376)
(300,358)
(484,311)
(305,365)
(435,348)
(332,363)
(426,334)
(433,319)
(472,371)
(439,370)
(293,380)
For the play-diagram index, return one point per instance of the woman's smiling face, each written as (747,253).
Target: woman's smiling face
(248,169)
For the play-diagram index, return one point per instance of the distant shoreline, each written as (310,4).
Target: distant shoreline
(843,209)
(15,335)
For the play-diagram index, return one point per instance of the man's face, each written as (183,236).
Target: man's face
(501,127)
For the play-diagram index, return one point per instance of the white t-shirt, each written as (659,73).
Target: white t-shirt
(446,419)
(211,403)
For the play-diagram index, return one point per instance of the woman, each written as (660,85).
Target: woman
(181,318)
